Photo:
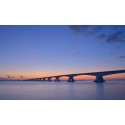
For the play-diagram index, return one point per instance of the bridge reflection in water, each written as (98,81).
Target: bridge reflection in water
(98,75)
(100,91)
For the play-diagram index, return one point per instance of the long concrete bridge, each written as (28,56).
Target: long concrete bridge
(99,76)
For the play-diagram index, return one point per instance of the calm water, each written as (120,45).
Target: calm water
(81,90)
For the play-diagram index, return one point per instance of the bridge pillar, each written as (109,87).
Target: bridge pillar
(44,79)
(99,79)
(57,79)
(39,79)
(71,79)
(49,79)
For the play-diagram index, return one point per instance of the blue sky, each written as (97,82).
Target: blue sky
(33,51)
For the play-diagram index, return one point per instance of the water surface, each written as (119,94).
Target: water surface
(80,90)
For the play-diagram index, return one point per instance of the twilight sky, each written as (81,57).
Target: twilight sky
(37,51)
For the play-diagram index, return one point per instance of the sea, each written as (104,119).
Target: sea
(63,90)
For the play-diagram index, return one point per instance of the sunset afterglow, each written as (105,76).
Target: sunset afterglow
(40,51)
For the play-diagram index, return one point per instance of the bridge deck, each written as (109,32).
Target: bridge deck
(103,73)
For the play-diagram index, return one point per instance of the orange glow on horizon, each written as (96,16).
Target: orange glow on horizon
(39,75)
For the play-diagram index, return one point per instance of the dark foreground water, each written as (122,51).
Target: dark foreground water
(81,90)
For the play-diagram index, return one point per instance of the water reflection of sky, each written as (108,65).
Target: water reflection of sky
(82,90)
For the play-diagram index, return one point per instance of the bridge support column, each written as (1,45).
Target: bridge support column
(57,79)
(99,79)
(71,79)
(39,79)
(49,79)
(44,79)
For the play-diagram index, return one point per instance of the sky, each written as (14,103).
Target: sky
(37,51)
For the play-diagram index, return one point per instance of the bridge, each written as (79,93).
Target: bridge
(99,76)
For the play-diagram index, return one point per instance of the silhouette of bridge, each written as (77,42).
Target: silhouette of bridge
(98,75)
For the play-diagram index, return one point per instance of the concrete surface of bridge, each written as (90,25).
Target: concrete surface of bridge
(98,75)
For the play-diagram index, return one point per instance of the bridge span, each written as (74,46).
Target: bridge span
(98,75)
